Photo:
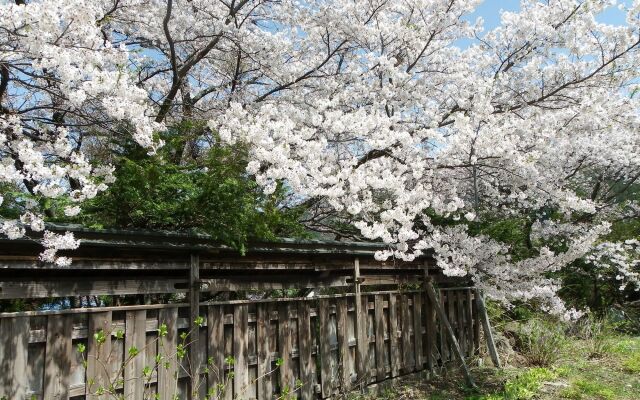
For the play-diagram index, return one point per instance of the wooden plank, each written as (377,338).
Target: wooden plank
(394,343)
(452,337)
(488,334)
(240,350)
(167,345)
(429,324)
(462,331)
(134,348)
(264,357)
(285,344)
(307,365)
(215,347)
(195,359)
(14,346)
(380,335)
(361,317)
(325,349)
(281,282)
(444,342)
(453,321)
(80,286)
(417,331)
(343,343)
(98,362)
(58,357)
(469,318)
(407,350)
(476,323)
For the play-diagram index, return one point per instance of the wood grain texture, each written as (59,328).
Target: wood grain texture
(326,379)
(451,335)
(98,355)
(240,350)
(58,357)
(134,337)
(14,342)
(346,367)
(307,365)
(167,344)
(407,345)
(417,331)
(195,352)
(380,335)
(264,357)
(285,342)
(394,342)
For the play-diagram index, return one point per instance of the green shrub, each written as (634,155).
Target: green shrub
(541,341)
(596,333)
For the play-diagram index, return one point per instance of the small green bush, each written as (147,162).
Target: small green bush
(596,333)
(541,341)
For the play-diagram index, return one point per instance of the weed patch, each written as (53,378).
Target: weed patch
(584,389)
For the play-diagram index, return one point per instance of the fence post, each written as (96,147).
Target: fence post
(194,336)
(482,313)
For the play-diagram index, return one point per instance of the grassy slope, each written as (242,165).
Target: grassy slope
(612,375)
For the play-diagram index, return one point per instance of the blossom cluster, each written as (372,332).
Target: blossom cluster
(395,114)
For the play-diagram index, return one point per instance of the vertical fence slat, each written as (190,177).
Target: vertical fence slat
(306,362)
(240,350)
(417,330)
(452,321)
(469,318)
(14,342)
(215,339)
(194,350)
(406,333)
(460,312)
(394,344)
(57,357)
(430,326)
(98,363)
(343,343)
(476,323)
(264,358)
(285,342)
(325,348)
(134,336)
(380,334)
(362,339)
(167,344)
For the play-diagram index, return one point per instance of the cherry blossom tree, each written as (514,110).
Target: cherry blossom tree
(396,114)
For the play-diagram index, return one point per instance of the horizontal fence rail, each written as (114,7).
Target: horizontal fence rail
(304,348)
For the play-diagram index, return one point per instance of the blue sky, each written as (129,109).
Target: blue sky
(489,10)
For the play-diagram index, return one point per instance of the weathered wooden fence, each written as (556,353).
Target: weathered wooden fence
(307,347)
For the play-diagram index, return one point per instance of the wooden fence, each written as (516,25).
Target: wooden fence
(305,347)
